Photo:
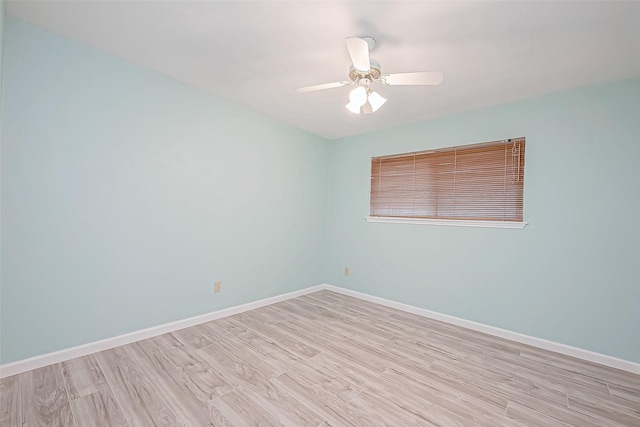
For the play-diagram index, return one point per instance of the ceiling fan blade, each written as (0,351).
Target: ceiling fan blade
(322,86)
(359,52)
(418,78)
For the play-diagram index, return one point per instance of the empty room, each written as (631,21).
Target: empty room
(320,213)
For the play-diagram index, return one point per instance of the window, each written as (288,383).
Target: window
(478,184)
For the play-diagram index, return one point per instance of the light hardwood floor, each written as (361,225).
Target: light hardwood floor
(323,359)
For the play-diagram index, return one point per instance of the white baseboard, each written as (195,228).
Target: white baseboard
(568,350)
(83,350)
(20,366)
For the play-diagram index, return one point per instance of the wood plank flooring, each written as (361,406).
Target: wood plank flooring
(323,359)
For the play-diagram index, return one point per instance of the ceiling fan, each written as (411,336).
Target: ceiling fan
(364,71)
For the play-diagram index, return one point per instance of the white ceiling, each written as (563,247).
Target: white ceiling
(255,53)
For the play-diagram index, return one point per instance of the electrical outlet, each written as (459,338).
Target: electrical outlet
(217,286)
(346,271)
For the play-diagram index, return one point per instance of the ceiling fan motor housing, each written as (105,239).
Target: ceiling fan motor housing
(373,73)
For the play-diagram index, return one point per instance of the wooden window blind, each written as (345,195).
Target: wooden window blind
(483,182)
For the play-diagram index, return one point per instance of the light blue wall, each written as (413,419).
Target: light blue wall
(125,195)
(1,44)
(571,276)
(1,40)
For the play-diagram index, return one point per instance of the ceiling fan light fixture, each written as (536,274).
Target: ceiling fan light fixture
(354,108)
(358,96)
(364,101)
(376,101)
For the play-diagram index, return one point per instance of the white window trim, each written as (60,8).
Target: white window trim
(448,222)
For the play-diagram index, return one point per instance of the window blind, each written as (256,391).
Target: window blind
(482,182)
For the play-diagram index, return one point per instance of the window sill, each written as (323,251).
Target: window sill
(448,222)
